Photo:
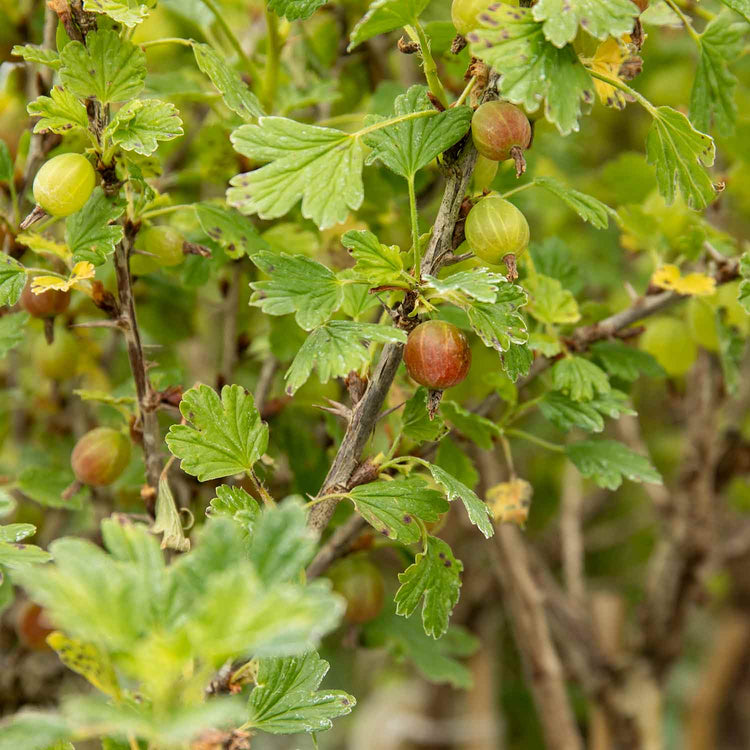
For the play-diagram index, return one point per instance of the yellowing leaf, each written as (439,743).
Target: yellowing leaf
(81,272)
(40,244)
(87,660)
(510,501)
(608,60)
(669,277)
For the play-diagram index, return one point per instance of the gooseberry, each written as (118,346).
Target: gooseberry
(164,247)
(64,184)
(437,355)
(44,305)
(501,131)
(484,173)
(668,341)
(465,14)
(361,585)
(495,230)
(701,317)
(59,359)
(100,456)
(33,627)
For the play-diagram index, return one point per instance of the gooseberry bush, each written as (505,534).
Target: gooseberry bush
(326,327)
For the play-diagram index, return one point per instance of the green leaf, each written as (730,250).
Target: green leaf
(237,504)
(237,96)
(579,379)
(16,555)
(435,577)
(337,348)
(608,461)
(679,153)
(454,461)
(406,147)
(298,285)
(127,12)
(436,660)
(7,504)
(532,69)
(549,303)
(295,10)
(588,415)
(479,284)
(236,234)
(33,730)
(320,166)
(12,280)
(390,507)
(33,54)
(478,429)
(286,699)
(714,85)
(478,511)
(61,112)
(16,532)
(107,67)
(586,206)
(6,163)
(600,18)
(167,521)
(376,263)
(141,123)
(739,6)
(227,436)
(383,16)
(281,543)
(45,484)
(498,324)
(626,362)
(12,331)
(91,233)
(415,419)
(517,361)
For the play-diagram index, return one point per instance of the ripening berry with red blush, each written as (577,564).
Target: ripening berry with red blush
(100,456)
(437,355)
(44,305)
(501,131)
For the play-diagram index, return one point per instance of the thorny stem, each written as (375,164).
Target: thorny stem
(469,87)
(261,490)
(144,391)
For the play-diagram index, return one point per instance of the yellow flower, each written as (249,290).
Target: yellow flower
(698,284)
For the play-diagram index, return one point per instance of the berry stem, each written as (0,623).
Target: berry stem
(618,84)
(414,224)
(685,20)
(428,64)
(522,435)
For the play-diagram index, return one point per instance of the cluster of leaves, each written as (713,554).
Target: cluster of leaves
(150,635)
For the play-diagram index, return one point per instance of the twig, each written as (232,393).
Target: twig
(229,328)
(571,534)
(337,546)
(147,401)
(365,412)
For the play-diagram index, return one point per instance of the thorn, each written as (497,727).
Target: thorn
(98,324)
(37,213)
(337,409)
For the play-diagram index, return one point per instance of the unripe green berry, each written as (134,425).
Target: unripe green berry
(669,341)
(44,305)
(360,583)
(496,228)
(164,245)
(100,456)
(64,184)
(484,173)
(437,355)
(58,360)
